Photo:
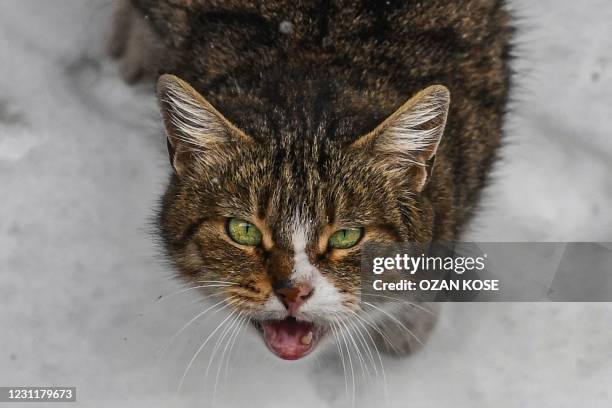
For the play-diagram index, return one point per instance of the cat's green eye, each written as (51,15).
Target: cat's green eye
(243,232)
(345,238)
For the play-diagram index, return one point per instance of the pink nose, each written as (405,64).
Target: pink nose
(294,296)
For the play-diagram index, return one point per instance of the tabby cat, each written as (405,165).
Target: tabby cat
(299,131)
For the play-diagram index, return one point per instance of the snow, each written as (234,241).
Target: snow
(83,162)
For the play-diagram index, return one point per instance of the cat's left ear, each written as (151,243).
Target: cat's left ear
(405,144)
(200,138)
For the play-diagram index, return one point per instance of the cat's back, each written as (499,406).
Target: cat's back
(392,46)
(354,60)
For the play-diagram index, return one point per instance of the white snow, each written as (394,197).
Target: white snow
(83,162)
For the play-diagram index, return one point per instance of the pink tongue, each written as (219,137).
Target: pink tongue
(285,337)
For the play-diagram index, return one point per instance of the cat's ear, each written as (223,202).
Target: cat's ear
(405,144)
(198,135)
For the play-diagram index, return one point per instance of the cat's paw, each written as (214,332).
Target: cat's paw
(134,44)
(405,328)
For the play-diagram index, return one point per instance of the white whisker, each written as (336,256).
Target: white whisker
(359,319)
(238,322)
(341,353)
(395,300)
(348,354)
(356,347)
(195,356)
(243,324)
(178,292)
(396,321)
(161,352)
(376,328)
(367,351)
(220,339)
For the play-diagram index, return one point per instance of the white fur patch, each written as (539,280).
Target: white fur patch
(303,270)
(326,298)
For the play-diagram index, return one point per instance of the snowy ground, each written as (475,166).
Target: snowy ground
(82,162)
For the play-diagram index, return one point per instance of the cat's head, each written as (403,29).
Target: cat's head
(273,225)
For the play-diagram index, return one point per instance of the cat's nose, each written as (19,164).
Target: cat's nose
(293,296)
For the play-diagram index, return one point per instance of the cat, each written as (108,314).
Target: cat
(299,131)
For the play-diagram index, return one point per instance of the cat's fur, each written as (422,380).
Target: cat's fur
(291,89)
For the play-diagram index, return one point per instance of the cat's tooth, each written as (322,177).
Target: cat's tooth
(306,339)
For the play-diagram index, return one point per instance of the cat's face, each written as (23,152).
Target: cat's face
(276,230)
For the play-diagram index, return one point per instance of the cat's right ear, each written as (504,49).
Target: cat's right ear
(404,146)
(199,137)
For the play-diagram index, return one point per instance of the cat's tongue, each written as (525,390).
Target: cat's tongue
(290,339)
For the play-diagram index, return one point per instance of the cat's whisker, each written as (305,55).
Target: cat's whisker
(161,352)
(359,320)
(195,356)
(178,292)
(375,328)
(366,346)
(413,304)
(352,341)
(402,325)
(216,281)
(350,360)
(342,345)
(341,354)
(243,324)
(350,329)
(227,333)
(240,337)
(237,322)
(213,353)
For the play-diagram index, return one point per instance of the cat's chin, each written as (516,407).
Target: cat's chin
(289,338)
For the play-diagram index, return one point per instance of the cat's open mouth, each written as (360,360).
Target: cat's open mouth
(290,339)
